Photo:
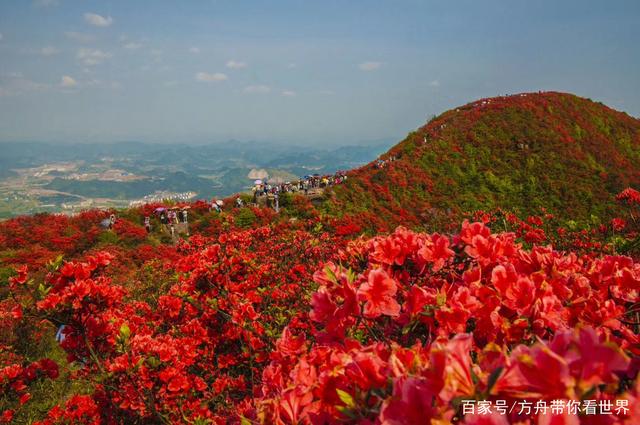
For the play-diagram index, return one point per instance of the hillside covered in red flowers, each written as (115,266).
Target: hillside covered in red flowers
(510,311)
(567,154)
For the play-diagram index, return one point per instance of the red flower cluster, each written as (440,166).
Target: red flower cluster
(15,378)
(630,196)
(391,338)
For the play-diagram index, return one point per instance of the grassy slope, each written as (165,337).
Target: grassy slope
(520,153)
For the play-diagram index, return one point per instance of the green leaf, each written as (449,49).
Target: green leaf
(351,276)
(244,421)
(54,265)
(493,378)
(153,361)
(43,290)
(347,412)
(330,274)
(346,398)
(125,332)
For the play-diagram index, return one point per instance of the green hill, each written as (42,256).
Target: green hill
(522,153)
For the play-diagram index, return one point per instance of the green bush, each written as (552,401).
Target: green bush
(245,218)
(108,237)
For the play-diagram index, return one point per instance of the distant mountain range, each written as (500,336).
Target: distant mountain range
(37,177)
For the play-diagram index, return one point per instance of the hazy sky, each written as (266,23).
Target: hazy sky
(296,71)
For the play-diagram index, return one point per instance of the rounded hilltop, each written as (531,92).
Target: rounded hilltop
(523,152)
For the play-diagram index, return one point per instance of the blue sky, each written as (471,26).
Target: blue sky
(293,71)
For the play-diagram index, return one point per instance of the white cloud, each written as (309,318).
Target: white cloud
(79,37)
(68,82)
(91,57)
(15,83)
(289,93)
(369,66)
(211,78)
(233,64)
(132,46)
(97,20)
(49,51)
(259,89)
(45,3)
(194,49)
(434,83)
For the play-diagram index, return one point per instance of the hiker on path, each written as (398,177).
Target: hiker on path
(147,224)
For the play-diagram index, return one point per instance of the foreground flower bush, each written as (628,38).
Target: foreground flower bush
(287,323)
(412,325)
(193,350)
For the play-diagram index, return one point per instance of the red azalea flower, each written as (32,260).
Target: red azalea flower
(436,251)
(322,305)
(411,404)
(618,224)
(7,416)
(378,294)
(516,292)
(629,195)
(24,398)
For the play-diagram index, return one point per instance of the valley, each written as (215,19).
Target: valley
(69,178)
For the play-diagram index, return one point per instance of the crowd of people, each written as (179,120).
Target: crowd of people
(381,163)
(304,184)
(173,215)
(169,217)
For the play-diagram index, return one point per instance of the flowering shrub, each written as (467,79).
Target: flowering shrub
(286,323)
(429,321)
(129,232)
(204,334)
